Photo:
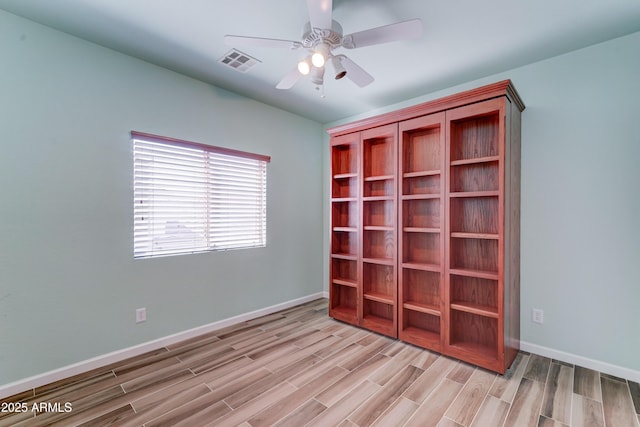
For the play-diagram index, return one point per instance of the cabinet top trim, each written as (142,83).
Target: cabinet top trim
(494,90)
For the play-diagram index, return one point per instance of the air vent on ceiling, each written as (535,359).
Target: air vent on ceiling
(238,60)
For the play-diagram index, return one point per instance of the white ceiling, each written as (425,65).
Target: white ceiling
(462,40)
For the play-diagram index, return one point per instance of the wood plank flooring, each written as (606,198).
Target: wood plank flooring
(299,367)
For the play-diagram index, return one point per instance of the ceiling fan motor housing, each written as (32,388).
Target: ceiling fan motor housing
(311,37)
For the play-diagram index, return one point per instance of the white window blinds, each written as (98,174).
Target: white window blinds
(190,197)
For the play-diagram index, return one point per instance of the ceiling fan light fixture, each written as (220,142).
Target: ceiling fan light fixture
(320,55)
(317,59)
(338,68)
(317,76)
(303,67)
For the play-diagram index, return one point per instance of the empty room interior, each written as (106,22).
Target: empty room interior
(320,212)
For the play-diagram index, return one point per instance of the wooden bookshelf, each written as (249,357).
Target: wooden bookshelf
(421,163)
(425,224)
(482,188)
(379,230)
(345,236)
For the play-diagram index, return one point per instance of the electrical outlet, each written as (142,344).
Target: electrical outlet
(141,315)
(537,315)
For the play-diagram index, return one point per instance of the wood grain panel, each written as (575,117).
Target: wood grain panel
(475,137)
(427,382)
(464,408)
(474,215)
(332,394)
(383,398)
(432,410)
(525,409)
(586,412)
(475,177)
(586,382)
(338,412)
(538,368)
(558,394)
(634,388)
(397,414)
(616,403)
(290,402)
(421,213)
(492,413)
(506,386)
(421,149)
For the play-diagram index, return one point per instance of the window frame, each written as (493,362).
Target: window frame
(180,143)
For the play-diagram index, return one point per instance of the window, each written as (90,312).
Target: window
(191,197)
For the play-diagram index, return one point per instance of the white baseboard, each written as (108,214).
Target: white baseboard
(117,356)
(585,362)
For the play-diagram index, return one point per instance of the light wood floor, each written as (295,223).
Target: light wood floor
(298,367)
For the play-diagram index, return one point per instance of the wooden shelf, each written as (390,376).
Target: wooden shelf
(475,334)
(480,310)
(379,324)
(475,160)
(348,257)
(419,174)
(486,236)
(420,230)
(475,194)
(422,308)
(344,199)
(345,175)
(379,261)
(346,229)
(421,337)
(342,282)
(344,156)
(342,255)
(377,297)
(419,196)
(377,198)
(424,267)
(378,178)
(346,314)
(475,273)
(378,228)
(476,352)
(343,301)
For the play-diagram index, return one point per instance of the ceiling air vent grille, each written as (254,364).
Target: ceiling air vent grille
(238,60)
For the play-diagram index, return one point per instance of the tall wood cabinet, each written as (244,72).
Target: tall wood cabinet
(425,220)
(363,229)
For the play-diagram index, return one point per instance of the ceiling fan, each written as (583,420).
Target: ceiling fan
(321,36)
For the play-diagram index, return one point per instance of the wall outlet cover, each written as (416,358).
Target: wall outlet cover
(141,315)
(537,316)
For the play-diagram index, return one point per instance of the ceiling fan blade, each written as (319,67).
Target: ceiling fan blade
(260,42)
(320,12)
(355,73)
(388,33)
(289,80)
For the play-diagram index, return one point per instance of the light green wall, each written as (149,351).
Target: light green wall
(69,285)
(580,221)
